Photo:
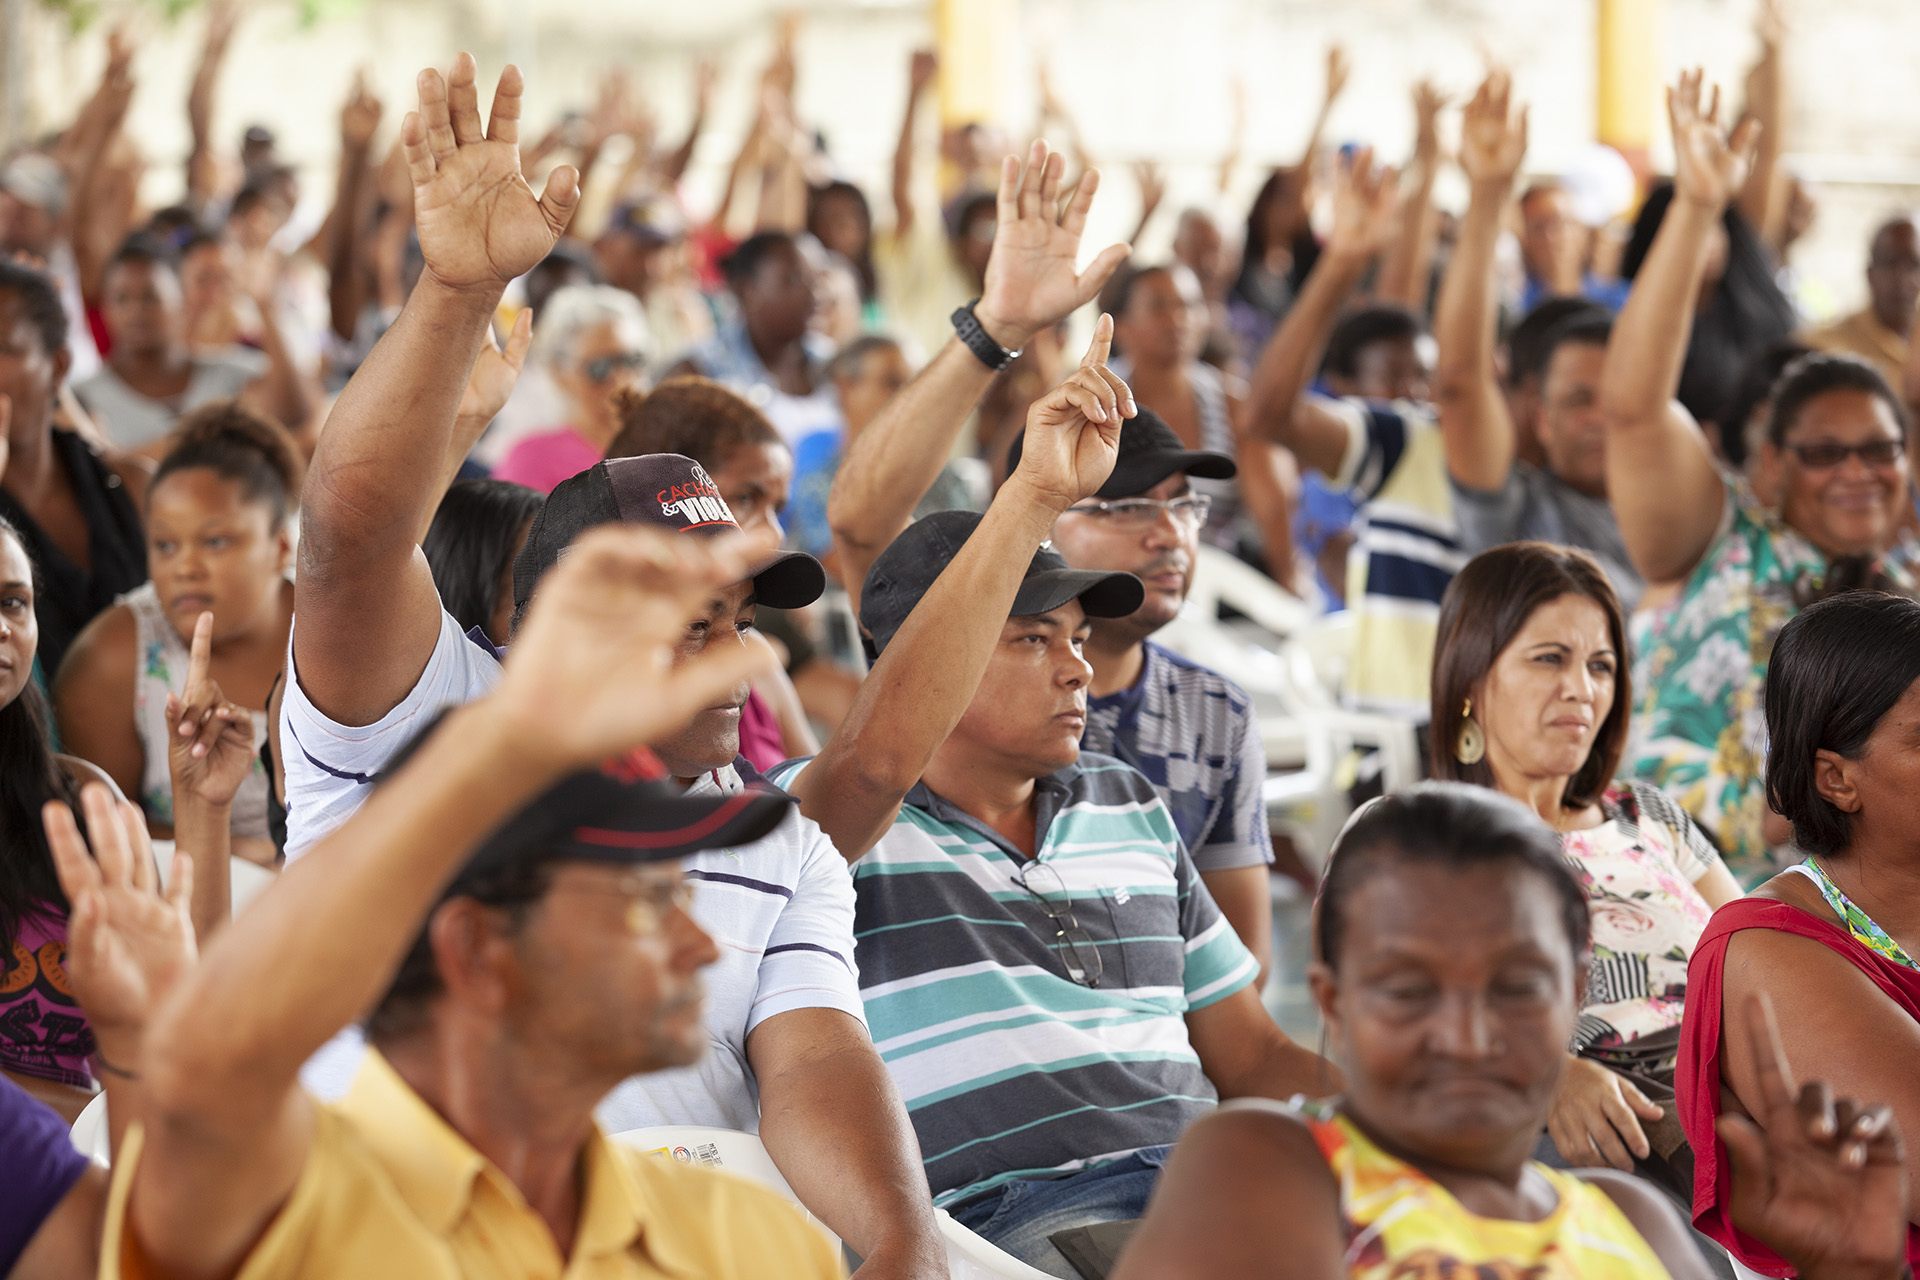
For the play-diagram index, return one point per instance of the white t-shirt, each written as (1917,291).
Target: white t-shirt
(780,909)
(132,419)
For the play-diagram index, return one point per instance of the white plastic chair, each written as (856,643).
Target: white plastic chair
(968,1256)
(89,1132)
(246,880)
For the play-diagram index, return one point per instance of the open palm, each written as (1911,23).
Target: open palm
(1493,140)
(480,223)
(1031,280)
(1365,205)
(128,945)
(1708,166)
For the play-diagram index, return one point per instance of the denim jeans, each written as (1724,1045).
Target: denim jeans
(1020,1216)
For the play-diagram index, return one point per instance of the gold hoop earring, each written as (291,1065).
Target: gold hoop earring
(1470,744)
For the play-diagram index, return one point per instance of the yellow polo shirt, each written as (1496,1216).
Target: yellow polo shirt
(390,1190)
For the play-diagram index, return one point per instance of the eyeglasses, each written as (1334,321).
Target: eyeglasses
(650,900)
(1135,514)
(600,368)
(1824,455)
(1074,945)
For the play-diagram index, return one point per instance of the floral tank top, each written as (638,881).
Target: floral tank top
(1700,666)
(1402,1225)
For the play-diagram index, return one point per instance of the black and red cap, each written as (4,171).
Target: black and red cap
(667,490)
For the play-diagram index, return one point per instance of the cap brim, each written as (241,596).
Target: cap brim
(1102,595)
(791,580)
(1136,475)
(673,826)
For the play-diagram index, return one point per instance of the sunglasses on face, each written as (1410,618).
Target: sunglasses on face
(601,368)
(1825,455)
(1134,514)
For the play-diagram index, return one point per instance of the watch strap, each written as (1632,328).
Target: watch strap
(979,341)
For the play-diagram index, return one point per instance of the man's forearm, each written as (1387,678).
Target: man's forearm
(923,683)
(834,1125)
(377,466)
(1293,354)
(335,927)
(892,463)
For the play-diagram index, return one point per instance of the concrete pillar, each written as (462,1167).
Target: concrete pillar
(974,55)
(1629,49)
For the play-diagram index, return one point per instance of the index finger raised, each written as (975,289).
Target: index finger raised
(199,656)
(1102,345)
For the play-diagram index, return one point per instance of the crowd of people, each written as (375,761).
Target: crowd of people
(704,673)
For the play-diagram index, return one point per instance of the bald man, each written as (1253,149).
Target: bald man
(1879,332)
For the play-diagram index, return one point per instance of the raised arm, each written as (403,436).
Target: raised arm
(1278,406)
(368,613)
(346,282)
(675,165)
(1762,200)
(1031,284)
(1409,259)
(1666,492)
(1474,421)
(920,73)
(924,681)
(97,226)
(229,1126)
(222,17)
(209,754)
(1152,180)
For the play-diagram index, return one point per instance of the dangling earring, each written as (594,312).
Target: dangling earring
(1470,744)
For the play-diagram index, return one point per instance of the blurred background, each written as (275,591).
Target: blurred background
(1175,81)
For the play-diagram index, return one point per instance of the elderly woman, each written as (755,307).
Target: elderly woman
(592,341)
(1831,480)
(1453,947)
(1830,941)
(1530,698)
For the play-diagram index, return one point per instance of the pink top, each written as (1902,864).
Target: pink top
(760,739)
(543,460)
(42,1031)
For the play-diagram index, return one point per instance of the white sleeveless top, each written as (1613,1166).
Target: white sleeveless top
(160,661)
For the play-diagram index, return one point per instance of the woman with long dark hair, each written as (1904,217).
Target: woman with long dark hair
(477,530)
(44,1041)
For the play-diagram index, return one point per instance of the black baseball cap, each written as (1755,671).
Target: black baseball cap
(1150,451)
(623,812)
(667,490)
(907,569)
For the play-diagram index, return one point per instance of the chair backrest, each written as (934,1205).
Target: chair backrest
(89,1132)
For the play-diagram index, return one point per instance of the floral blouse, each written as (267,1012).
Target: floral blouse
(1638,868)
(1700,668)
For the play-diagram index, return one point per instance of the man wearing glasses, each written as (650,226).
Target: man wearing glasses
(1189,729)
(1044,972)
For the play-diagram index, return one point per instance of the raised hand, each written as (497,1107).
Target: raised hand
(1366,209)
(127,944)
(360,116)
(1709,168)
(921,70)
(480,223)
(211,750)
(496,371)
(1153,187)
(1493,140)
(1339,71)
(1031,281)
(1428,103)
(1073,432)
(1819,1180)
(591,670)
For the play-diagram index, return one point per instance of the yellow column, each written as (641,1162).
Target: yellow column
(1629,47)
(973,57)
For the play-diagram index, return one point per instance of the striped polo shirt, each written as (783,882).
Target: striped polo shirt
(1010,1069)
(1406,549)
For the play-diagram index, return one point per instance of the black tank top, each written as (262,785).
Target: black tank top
(70,597)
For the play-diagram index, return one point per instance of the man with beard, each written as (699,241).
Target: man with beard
(1189,729)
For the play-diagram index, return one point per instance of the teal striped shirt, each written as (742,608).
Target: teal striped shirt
(1010,1068)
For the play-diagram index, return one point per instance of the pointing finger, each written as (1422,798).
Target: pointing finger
(200,656)
(1102,345)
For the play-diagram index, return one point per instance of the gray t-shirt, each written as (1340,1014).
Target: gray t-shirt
(1535,505)
(131,419)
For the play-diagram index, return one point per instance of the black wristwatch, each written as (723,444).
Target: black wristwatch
(979,341)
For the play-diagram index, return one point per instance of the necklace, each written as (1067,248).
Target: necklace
(1859,923)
